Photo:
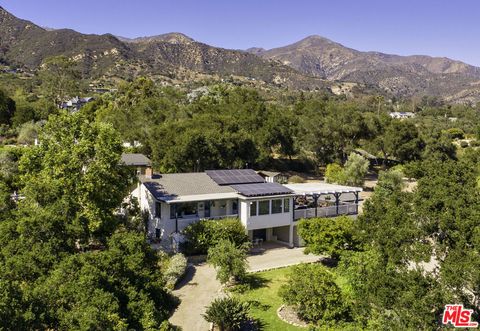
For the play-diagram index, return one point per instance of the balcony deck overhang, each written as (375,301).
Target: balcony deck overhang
(321,188)
(199,197)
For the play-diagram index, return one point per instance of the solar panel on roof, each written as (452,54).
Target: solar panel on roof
(261,189)
(235,176)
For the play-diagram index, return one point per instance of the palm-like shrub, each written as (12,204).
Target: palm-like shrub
(228,314)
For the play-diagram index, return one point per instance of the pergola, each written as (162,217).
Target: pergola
(315,190)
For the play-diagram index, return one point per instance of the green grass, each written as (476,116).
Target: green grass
(262,291)
(263,294)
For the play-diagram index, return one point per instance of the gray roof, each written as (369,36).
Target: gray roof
(167,187)
(135,159)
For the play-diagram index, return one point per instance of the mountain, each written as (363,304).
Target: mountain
(399,75)
(22,43)
(172,38)
(312,63)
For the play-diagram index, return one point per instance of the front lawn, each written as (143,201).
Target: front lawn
(263,294)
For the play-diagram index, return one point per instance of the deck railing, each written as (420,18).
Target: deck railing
(219,217)
(331,211)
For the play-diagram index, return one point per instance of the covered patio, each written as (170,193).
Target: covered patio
(324,200)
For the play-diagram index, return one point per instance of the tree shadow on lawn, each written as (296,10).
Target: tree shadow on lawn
(250,282)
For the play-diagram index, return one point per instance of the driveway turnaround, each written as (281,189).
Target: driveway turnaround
(197,290)
(278,257)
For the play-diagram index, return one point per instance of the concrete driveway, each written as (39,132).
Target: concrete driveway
(277,256)
(199,286)
(196,291)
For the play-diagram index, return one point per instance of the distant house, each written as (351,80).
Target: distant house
(273,177)
(76,103)
(140,162)
(401,114)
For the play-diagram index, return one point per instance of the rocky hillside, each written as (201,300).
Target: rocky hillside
(400,75)
(312,63)
(22,43)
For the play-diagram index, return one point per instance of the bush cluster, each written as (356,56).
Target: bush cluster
(175,270)
(202,235)
(311,289)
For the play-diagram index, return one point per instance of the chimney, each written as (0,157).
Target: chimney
(148,172)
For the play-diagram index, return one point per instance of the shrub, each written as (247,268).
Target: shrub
(474,143)
(355,170)
(229,260)
(28,132)
(202,235)
(329,236)
(334,173)
(175,270)
(296,179)
(311,290)
(228,314)
(455,133)
(389,181)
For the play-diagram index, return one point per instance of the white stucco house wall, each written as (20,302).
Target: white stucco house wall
(269,211)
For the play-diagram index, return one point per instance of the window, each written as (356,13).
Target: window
(183,209)
(276,206)
(286,205)
(173,211)
(158,209)
(235,207)
(264,207)
(158,233)
(253,208)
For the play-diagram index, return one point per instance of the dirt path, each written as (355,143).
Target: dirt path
(196,291)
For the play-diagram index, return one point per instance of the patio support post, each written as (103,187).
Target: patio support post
(176,221)
(290,236)
(356,202)
(337,200)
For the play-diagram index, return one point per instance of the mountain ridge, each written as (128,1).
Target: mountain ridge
(314,62)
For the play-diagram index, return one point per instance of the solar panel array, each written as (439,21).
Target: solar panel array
(235,176)
(261,189)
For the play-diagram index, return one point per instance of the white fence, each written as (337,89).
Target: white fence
(343,209)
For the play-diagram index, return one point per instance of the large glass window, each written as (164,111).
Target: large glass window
(183,209)
(276,206)
(253,208)
(286,205)
(158,209)
(264,207)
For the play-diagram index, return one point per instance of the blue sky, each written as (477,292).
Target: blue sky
(448,28)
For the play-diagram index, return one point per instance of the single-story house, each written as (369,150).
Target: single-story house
(139,162)
(273,177)
(401,114)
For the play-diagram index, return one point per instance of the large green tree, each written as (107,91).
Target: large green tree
(67,259)
(59,79)
(76,169)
